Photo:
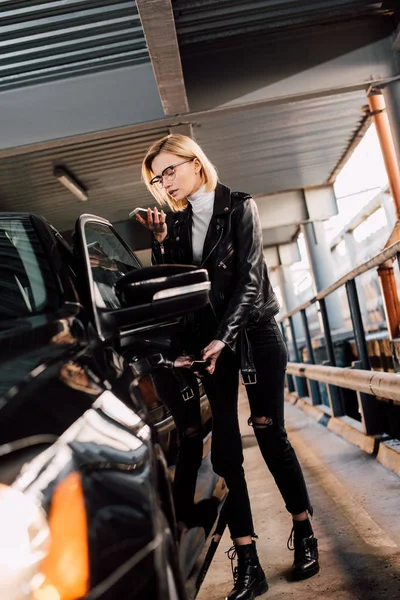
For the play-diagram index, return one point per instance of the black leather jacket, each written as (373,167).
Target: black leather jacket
(241,293)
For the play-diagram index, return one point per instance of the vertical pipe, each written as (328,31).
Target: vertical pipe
(377,107)
(391,299)
(314,386)
(378,110)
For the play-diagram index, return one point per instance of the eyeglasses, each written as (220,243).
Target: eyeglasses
(168,173)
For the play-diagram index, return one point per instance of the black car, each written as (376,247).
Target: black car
(86,445)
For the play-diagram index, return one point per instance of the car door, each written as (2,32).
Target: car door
(43,383)
(106,258)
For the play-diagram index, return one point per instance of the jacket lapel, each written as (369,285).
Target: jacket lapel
(183,234)
(222,208)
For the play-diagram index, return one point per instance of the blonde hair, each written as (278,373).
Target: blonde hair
(184,147)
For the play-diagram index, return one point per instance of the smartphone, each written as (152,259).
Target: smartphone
(200,365)
(141,211)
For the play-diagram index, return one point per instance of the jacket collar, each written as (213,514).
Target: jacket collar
(222,201)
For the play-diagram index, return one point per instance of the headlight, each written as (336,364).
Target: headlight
(114,408)
(44,559)
(64,573)
(24,543)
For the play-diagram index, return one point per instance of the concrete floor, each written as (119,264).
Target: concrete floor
(356,519)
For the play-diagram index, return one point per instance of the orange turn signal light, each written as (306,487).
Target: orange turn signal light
(65,570)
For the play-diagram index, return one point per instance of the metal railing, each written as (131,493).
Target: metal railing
(367,383)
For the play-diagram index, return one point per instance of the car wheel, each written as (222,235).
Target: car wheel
(173,593)
(176,588)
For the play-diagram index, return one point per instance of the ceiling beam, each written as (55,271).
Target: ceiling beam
(183,129)
(172,121)
(158,24)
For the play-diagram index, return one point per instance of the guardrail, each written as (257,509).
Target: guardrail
(367,383)
(385,385)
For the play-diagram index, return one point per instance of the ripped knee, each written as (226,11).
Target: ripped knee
(260,422)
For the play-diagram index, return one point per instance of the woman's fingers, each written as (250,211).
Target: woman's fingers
(155,220)
(208,354)
(183,362)
(211,366)
(141,220)
(158,223)
(211,353)
(150,218)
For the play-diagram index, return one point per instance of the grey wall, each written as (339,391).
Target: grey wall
(78,105)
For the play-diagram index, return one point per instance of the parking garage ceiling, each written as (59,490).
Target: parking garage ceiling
(274,91)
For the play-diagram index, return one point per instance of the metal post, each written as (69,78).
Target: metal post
(314,386)
(367,403)
(334,393)
(300,383)
(327,333)
(358,325)
(289,378)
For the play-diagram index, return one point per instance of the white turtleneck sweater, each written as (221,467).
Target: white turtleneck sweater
(202,203)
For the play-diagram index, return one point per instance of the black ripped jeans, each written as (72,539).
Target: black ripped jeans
(187,417)
(266,399)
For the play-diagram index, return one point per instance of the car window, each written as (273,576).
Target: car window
(27,286)
(109,260)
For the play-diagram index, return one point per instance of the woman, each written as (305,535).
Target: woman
(219,230)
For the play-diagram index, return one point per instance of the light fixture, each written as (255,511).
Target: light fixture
(70,183)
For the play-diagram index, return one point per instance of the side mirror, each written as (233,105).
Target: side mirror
(126,297)
(152,294)
(152,285)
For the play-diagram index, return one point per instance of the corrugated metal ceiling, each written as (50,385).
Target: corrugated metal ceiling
(200,21)
(46,40)
(259,151)
(109,169)
(282,147)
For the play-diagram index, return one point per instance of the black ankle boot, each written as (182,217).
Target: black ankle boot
(305,563)
(248,576)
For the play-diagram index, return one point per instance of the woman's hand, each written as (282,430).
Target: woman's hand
(183,362)
(155,222)
(211,353)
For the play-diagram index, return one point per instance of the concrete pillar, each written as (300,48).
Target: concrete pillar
(321,265)
(290,300)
